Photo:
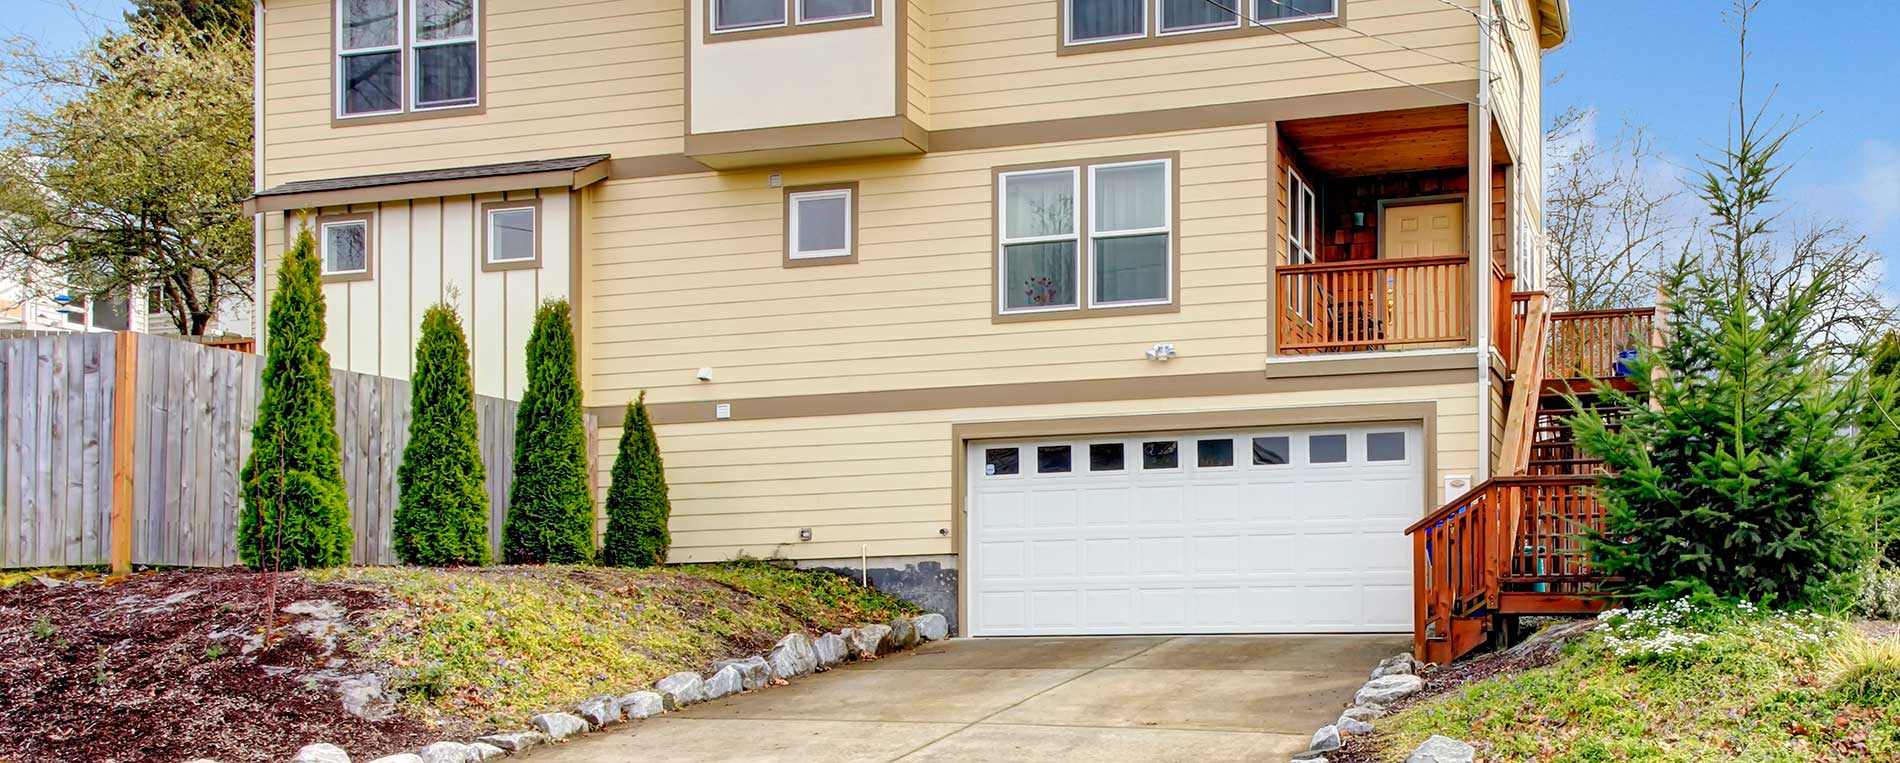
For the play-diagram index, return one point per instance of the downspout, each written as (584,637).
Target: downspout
(1481,246)
(257,173)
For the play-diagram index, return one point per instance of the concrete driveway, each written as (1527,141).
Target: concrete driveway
(1100,700)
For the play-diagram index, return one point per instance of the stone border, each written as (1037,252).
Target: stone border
(1394,679)
(795,655)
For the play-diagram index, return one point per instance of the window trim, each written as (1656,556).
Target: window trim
(1085,308)
(487,210)
(408,111)
(1168,217)
(1152,35)
(1003,241)
(414,62)
(710,33)
(792,259)
(323,222)
(1161,30)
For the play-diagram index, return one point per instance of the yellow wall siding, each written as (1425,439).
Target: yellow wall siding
(563,78)
(885,481)
(686,272)
(917,60)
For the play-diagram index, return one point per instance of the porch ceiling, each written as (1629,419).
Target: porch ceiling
(1383,142)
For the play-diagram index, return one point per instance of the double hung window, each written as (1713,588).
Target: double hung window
(1057,254)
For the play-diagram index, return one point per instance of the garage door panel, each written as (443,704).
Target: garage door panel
(1160,556)
(1214,503)
(1107,505)
(1053,559)
(1055,609)
(1218,555)
(1052,508)
(1158,504)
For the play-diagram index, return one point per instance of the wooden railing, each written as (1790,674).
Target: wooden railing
(1584,344)
(1556,516)
(1520,422)
(1374,304)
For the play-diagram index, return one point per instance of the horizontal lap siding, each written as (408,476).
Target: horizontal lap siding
(563,78)
(996,63)
(883,481)
(686,272)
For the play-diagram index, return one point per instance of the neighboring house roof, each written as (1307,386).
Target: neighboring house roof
(1553,22)
(572,172)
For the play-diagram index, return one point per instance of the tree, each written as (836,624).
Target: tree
(223,17)
(1880,436)
(1744,478)
(550,508)
(134,173)
(637,506)
(296,513)
(442,514)
(1607,220)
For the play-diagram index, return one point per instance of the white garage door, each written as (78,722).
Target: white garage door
(1272,531)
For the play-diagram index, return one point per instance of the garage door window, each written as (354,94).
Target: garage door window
(1326,449)
(1270,451)
(1160,455)
(1105,457)
(999,461)
(1214,453)
(1052,459)
(1385,446)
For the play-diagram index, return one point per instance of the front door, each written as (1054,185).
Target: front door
(1434,229)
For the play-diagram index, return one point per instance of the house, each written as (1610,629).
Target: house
(1070,316)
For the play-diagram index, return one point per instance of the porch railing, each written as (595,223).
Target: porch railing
(1374,304)
(1584,344)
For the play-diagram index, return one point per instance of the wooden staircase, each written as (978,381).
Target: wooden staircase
(1514,544)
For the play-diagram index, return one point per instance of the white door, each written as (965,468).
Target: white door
(1269,531)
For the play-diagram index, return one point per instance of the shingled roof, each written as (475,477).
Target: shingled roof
(273,198)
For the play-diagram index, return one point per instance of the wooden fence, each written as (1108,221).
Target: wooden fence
(167,455)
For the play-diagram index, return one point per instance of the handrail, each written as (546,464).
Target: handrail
(1520,422)
(1584,344)
(1373,304)
(1346,265)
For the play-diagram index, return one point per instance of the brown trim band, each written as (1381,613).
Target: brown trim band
(742,148)
(572,179)
(1044,393)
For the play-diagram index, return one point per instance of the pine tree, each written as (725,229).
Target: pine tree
(296,512)
(550,510)
(637,506)
(442,516)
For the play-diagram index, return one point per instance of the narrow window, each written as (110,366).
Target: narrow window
(1274,11)
(447,63)
(345,247)
(812,11)
(1039,241)
(1052,459)
(1214,453)
(1196,15)
(1105,457)
(732,15)
(1160,455)
(510,237)
(1385,446)
(999,461)
(1270,451)
(1302,220)
(1326,449)
(369,57)
(1130,233)
(819,224)
(1104,20)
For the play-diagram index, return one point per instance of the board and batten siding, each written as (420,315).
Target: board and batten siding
(687,272)
(561,78)
(884,481)
(427,251)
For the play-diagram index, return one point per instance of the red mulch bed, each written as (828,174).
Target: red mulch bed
(125,672)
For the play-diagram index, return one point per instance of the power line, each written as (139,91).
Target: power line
(1355,64)
(1336,25)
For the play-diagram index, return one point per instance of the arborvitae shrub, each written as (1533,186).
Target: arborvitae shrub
(442,517)
(296,512)
(637,507)
(550,509)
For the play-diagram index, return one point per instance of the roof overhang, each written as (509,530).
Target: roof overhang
(572,172)
(1553,22)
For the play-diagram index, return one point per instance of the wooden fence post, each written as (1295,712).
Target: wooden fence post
(124,418)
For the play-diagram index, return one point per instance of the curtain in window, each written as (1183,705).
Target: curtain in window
(1268,10)
(1039,275)
(1040,205)
(736,14)
(1132,269)
(1097,19)
(1130,199)
(1195,14)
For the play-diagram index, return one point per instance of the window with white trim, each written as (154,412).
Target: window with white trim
(345,246)
(1121,246)
(511,234)
(743,15)
(1302,220)
(1094,21)
(818,224)
(403,56)
(819,11)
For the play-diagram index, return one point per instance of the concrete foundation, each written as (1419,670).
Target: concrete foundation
(926,581)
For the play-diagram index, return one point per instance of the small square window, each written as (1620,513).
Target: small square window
(1326,449)
(511,235)
(999,461)
(818,224)
(1052,459)
(1160,455)
(1385,446)
(1214,452)
(1270,451)
(345,247)
(1105,457)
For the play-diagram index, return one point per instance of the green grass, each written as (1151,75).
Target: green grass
(496,645)
(1718,685)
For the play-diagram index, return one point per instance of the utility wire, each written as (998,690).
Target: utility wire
(1403,46)
(1355,64)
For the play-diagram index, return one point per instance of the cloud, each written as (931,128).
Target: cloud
(1878,188)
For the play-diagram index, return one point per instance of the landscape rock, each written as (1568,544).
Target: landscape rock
(600,710)
(514,741)
(321,752)
(449,752)
(1311,756)
(753,671)
(830,650)
(1326,739)
(641,705)
(363,697)
(401,757)
(1401,664)
(866,641)
(931,627)
(792,657)
(1550,635)
(724,682)
(903,634)
(681,689)
(1442,749)
(559,726)
(1367,713)
(486,751)
(1349,725)
(1388,689)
